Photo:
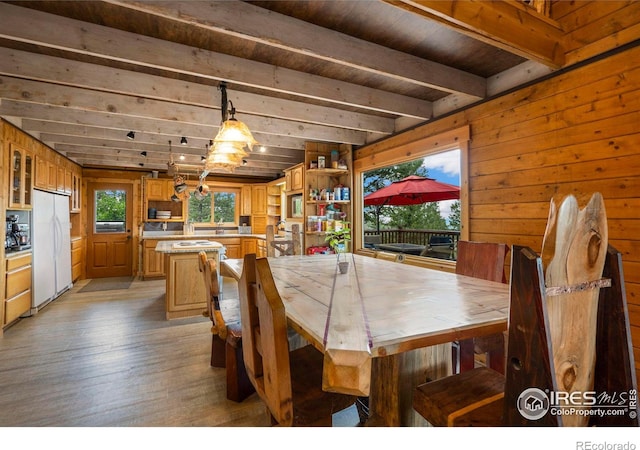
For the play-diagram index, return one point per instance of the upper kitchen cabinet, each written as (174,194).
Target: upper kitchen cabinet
(20,178)
(245,200)
(158,197)
(158,189)
(76,185)
(294,178)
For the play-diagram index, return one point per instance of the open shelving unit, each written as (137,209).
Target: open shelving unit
(323,204)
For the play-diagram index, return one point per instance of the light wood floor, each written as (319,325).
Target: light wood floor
(110,358)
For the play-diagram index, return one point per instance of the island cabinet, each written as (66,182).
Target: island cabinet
(17,287)
(185,290)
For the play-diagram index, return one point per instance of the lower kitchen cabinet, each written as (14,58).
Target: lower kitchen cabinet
(17,287)
(233,246)
(77,259)
(248,246)
(152,261)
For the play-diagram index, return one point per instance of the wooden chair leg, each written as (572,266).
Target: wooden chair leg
(239,386)
(217,351)
(466,355)
(496,359)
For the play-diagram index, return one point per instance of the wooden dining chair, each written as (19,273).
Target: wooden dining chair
(226,339)
(483,260)
(560,318)
(290,383)
(283,247)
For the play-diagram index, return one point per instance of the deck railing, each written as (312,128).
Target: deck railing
(420,237)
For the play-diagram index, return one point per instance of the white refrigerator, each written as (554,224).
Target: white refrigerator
(51,248)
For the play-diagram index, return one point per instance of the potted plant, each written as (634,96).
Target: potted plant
(338,239)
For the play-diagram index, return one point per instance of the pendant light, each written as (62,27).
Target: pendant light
(230,144)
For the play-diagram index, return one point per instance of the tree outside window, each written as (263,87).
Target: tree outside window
(222,203)
(110,210)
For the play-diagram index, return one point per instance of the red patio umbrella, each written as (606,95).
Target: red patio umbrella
(412,190)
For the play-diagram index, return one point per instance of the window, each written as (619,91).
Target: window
(217,207)
(110,211)
(428,229)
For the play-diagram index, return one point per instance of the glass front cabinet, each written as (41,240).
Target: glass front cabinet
(20,178)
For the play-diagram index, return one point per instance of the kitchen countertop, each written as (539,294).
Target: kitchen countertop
(196,236)
(189,246)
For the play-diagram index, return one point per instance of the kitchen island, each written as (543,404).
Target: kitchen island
(186,296)
(236,246)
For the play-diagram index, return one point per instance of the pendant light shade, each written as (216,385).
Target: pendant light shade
(230,145)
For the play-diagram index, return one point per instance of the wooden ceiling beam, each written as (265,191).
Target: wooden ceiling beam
(297,36)
(278,155)
(50,69)
(504,24)
(42,29)
(137,107)
(144,137)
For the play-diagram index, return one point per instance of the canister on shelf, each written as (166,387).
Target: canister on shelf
(334,158)
(321,162)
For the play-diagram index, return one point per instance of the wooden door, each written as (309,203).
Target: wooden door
(109,220)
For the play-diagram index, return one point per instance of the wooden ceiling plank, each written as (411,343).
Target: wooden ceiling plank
(68,129)
(118,104)
(297,36)
(52,69)
(31,26)
(499,23)
(278,155)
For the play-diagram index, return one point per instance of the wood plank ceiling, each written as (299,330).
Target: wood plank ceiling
(80,75)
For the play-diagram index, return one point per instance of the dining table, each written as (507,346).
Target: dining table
(384,327)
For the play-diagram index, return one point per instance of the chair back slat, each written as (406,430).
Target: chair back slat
(212,285)
(266,345)
(482,260)
(275,346)
(250,322)
(285,247)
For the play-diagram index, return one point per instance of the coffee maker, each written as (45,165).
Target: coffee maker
(17,235)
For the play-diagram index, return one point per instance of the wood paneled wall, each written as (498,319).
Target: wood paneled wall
(576,133)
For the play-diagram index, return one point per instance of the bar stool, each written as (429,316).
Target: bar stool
(285,247)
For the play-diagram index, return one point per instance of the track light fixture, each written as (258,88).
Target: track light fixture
(143,154)
(183,140)
(131,135)
(244,162)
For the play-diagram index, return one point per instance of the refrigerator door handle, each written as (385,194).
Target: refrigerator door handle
(57,234)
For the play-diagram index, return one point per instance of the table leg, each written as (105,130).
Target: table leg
(394,379)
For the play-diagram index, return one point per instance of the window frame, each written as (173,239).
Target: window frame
(407,147)
(213,188)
